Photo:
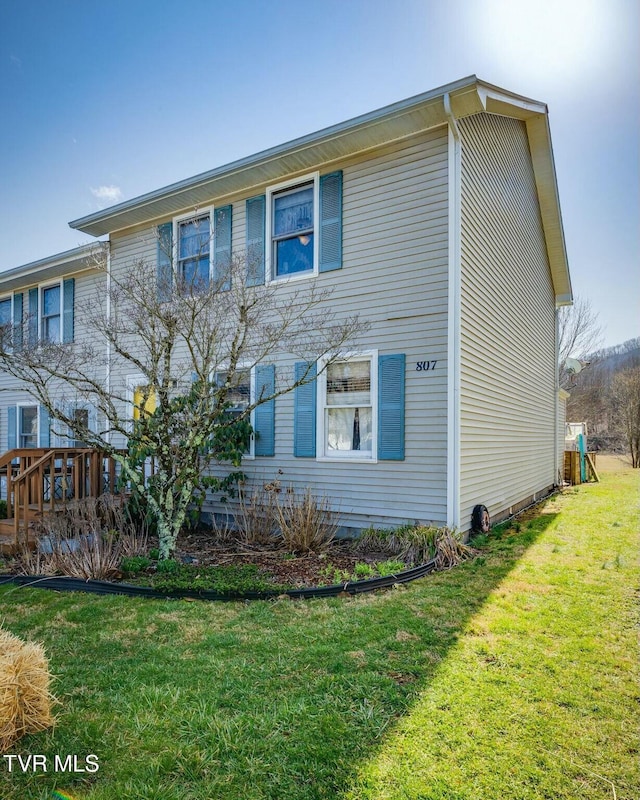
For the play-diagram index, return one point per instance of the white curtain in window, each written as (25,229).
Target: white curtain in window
(349,429)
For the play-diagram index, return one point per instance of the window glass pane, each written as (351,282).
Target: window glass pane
(294,255)
(194,238)
(293,211)
(81,416)
(51,301)
(349,429)
(5,311)
(238,395)
(51,329)
(349,383)
(28,426)
(195,271)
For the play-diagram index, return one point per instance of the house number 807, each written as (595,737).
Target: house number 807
(425,366)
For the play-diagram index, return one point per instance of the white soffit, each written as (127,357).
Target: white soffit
(468,96)
(80,259)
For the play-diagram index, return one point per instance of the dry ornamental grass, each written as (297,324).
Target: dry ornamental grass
(25,699)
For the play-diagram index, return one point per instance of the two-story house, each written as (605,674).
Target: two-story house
(437,219)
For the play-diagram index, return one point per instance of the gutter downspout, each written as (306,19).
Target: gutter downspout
(453,321)
(107,377)
(557,481)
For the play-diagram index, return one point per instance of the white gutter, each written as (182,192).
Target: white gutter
(453,325)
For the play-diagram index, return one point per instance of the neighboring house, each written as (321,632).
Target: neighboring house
(436,219)
(47,294)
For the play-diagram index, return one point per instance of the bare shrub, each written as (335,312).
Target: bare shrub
(417,544)
(307,524)
(413,544)
(256,516)
(87,540)
(451,550)
(222,529)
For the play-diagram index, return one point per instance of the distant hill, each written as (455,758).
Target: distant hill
(591,399)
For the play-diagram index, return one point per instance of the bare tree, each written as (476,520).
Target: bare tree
(579,335)
(625,391)
(179,335)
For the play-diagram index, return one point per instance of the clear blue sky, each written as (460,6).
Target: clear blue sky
(101,102)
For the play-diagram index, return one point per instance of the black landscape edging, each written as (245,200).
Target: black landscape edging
(65,584)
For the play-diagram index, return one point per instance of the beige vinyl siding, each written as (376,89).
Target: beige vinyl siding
(395,240)
(508,364)
(395,251)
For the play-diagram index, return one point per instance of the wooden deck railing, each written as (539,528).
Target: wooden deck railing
(42,480)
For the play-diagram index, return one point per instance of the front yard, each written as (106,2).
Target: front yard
(512,676)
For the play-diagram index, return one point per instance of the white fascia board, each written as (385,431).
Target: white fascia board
(80,259)
(544,170)
(498,101)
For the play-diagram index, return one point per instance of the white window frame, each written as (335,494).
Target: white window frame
(251,454)
(42,288)
(207,211)
(347,456)
(19,407)
(271,277)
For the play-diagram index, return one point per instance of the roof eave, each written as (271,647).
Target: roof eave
(467,96)
(79,259)
(360,133)
(544,169)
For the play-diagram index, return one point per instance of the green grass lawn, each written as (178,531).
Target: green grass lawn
(513,676)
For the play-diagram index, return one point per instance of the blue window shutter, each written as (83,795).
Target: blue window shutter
(164,276)
(18,310)
(255,240)
(304,414)
(68,294)
(45,422)
(222,248)
(391,378)
(33,317)
(12,428)
(264,417)
(331,222)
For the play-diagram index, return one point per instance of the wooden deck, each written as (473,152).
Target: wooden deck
(42,481)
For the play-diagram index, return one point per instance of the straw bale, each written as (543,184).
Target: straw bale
(25,699)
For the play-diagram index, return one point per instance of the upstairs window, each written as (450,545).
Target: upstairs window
(51,317)
(5,312)
(6,319)
(293,231)
(194,251)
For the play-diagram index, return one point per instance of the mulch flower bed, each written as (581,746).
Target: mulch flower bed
(295,570)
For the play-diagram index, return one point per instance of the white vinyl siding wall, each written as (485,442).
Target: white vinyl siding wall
(508,363)
(395,248)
